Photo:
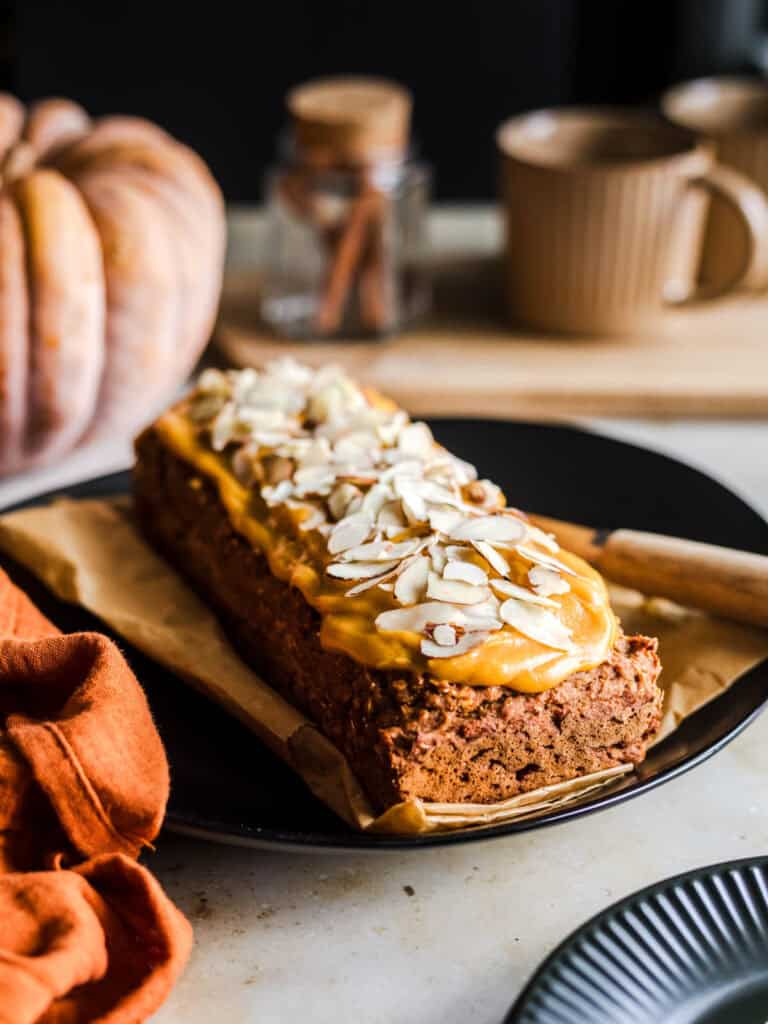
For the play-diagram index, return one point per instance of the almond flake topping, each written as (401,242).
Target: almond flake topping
(412,581)
(444,635)
(546,581)
(467,572)
(359,570)
(341,498)
(509,589)
(434,649)
(383,550)
(454,591)
(416,618)
(493,557)
(393,509)
(536,623)
(349,533)
(546,560)
(493,529)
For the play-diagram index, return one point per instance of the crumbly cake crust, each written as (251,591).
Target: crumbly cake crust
(404,735)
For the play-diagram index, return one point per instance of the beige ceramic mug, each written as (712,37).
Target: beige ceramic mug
(732,115)
(596,203)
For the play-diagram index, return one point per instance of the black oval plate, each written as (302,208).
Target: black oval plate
(227,786)
(692,949)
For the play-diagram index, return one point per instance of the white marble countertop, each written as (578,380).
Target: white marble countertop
(446,936)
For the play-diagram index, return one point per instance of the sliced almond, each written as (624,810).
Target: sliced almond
(313,480)
(546,581)
(375,581)
(401,465)
(223,427)
(545,539)
(484,493)
(383,550)
(288,370)
(444,634)
(488,608)
(312,522)
(340,499)
(482,623)
(363,478)
(278,494)
(314,516)
(454,591)
(415,618)
(359,448)
(309,475)
(213,381)
(255,418)
(416,439)
(390,519)
(246,384)
(495,529)
(359,570)
(432,649)
(375,499)
(314,451)
(459,470)
(494,558)
(443,518)
(547,560)
(414,506)
(536,623)
(349,533)
(483,616)
(412,581)
(509,589)
(458,552)
(438,494)
(465,572)
(388,430)
(437,553)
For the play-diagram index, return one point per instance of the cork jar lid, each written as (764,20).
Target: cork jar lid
(350,120)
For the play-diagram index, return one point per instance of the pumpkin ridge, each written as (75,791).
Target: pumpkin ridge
(66,287)
(14,331)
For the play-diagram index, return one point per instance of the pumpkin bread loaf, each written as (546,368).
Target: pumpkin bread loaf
(444,663)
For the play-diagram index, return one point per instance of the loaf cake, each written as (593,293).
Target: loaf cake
(450,649)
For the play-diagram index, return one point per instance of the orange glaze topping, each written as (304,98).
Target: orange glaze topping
(411,561)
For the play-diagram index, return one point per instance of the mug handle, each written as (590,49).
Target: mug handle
(750,203)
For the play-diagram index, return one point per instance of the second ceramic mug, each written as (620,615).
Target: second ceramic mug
(595,203)
(732,115)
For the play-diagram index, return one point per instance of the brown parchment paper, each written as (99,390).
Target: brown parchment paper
(89,553)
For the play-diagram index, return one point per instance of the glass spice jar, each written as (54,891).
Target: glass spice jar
(347,215)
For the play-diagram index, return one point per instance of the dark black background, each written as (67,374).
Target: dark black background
(215,73)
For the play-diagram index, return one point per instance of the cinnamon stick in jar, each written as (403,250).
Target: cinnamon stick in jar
(350,139)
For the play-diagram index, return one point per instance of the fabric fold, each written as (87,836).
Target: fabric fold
(101,944)
(92,746)
(84,783)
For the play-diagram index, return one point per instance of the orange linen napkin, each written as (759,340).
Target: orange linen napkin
(83,774)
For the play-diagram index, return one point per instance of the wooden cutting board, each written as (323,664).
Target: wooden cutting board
(709,360)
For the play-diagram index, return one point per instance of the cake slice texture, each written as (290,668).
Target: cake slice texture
(449,649)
